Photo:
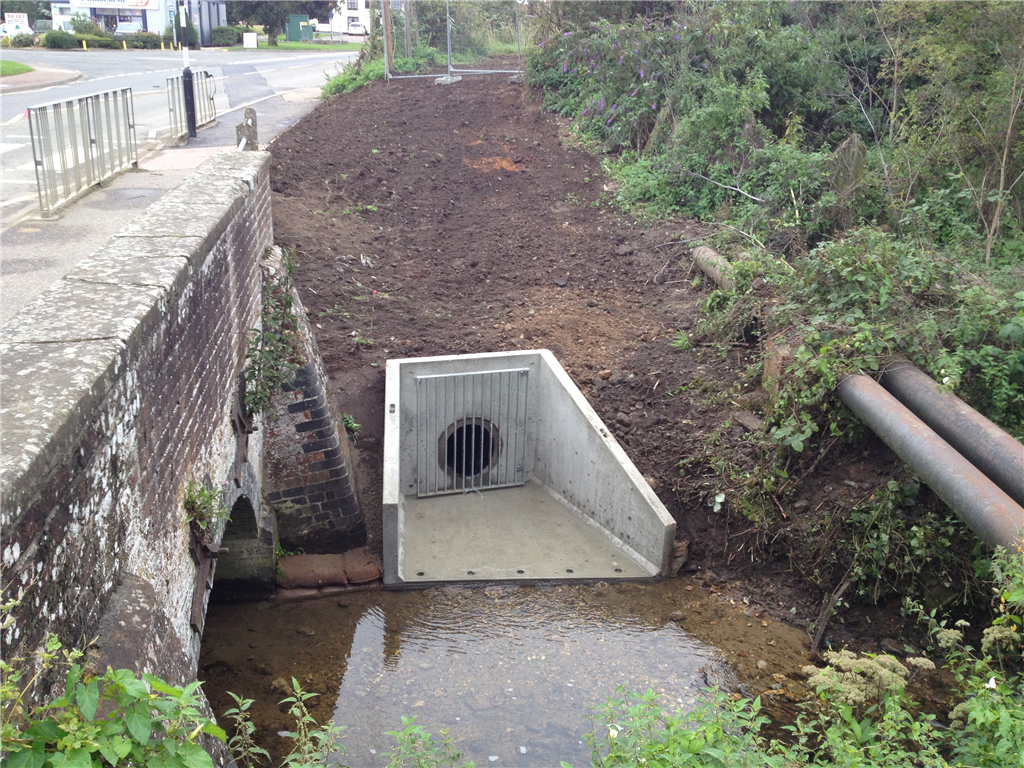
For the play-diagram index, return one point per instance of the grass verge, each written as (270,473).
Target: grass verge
(8,68)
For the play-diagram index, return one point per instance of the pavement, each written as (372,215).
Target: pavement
(36,252)
(42,76)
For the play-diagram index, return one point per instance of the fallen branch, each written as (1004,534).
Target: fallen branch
(724,186)
(827,611)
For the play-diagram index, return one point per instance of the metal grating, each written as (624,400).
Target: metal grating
(471,431)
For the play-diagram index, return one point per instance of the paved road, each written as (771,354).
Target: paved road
(279,85)
(34,252)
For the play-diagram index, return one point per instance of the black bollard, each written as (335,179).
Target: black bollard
(190,102)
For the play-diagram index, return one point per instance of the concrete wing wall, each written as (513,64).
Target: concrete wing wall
(117,390)
(582,462)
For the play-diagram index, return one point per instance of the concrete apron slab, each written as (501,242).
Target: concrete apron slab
(504,534)
(497,468)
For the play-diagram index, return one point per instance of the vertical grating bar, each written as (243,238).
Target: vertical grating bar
(521,465)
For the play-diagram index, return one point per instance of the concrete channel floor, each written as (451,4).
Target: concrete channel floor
(520,533)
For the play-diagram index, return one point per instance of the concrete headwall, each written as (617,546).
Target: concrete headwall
(118,385)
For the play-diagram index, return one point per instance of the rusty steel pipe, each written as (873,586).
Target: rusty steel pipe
(978,440)
(993,515)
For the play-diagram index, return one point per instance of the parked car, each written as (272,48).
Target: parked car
(356,29)
(127,28)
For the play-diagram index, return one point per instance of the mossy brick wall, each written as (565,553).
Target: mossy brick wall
(117,389)
(307,477)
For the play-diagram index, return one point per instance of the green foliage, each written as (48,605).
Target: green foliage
(731,112)
(59,39)
(191,34)
(899,547)
(34,8)
(226,36)
(23,41)
(314,743)
(8,68)
(274,15)
(270,359)
(852,303)
(350,425)
(142,40)
(353,77)
(83,25)
(720,733)
(203,506)
(96,41)
(860,714)
(113,719)
(243,745)
(416,748)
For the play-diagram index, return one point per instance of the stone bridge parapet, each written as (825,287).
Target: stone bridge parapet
(118,386)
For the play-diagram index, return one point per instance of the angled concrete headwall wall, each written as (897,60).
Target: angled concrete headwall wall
(582,462)
(118,386)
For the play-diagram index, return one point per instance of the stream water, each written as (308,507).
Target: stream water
(512,672)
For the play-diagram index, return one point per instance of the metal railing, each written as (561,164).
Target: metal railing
(78,143)
(205,88)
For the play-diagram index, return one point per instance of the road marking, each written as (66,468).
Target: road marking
(257,101)
(16,200)
(6,147)
(17,181)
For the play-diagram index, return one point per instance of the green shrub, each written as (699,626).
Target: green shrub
(226,36)
(83,25)
(23,41)
(5,42)
(175,29)
(353,77)
(60,39)
(97,41)
(142,40)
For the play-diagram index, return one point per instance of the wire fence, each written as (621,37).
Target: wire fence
(78,143)
(463,38)
(204,87)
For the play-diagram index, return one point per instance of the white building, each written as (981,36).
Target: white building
(154,15)
(351,16)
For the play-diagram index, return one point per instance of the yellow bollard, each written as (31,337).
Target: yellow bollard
(124,44)
(84,46)
(161,45)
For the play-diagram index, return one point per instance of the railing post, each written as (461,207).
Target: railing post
(190,102)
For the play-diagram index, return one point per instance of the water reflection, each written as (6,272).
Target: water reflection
(511,672)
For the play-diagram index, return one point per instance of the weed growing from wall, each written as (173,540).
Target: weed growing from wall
(203,506)
(270,361)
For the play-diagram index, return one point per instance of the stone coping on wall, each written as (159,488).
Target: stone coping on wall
(63,352)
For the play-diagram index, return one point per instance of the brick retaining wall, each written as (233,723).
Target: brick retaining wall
(117,389)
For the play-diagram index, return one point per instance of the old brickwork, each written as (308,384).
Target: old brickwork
(117,389)
(307,477)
